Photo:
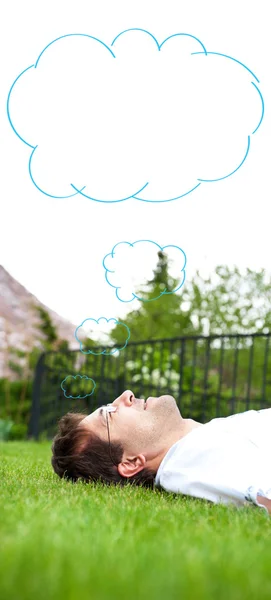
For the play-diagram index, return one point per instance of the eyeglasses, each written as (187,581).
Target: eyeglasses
(109,408)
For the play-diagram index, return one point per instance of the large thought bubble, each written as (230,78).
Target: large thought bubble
(134,119)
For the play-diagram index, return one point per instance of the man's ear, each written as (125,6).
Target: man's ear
(131,466)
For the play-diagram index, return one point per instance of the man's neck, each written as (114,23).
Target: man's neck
(187,426)
(190,425)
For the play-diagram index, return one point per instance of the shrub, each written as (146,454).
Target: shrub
(5,428)
(18,432)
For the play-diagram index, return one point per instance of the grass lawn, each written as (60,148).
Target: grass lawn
(60,541)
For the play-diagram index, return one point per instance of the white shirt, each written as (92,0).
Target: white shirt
(227,460)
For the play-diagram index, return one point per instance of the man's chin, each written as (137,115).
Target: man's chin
(167,396)
(162,399)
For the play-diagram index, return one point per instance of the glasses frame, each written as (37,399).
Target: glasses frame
(109,408)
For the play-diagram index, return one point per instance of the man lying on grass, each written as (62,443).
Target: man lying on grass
(227,460)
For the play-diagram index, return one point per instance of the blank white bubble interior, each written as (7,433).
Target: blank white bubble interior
(113,125)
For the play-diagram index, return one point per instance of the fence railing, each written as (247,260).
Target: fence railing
(209,377)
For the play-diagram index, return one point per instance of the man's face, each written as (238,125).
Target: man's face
(141,427)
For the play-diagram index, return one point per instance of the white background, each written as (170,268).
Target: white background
(55,247)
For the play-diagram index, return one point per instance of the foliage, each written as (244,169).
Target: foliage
(17,411)
(16,395)
(5,428)
(157,319)
(18,432)
(227,302)
(47,327)
(230,301)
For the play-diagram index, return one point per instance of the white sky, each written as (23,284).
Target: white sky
(55,247)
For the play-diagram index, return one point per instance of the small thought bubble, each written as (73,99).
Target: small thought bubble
(101,328)
(134,118)
(125,263)
(78,386)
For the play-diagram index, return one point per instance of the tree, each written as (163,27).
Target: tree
(47,327)
(226,302)
(161,318)
(230,301)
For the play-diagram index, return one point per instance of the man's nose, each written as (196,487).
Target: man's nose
(126,398)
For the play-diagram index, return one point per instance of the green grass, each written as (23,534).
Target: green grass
(60,541)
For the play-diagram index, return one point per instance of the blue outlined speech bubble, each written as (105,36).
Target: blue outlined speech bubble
(72,383)
(101,327)
(134,118)
(125,263)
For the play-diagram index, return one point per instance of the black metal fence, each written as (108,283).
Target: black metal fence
(209,377)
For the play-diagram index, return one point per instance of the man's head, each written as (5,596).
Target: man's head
(140,433)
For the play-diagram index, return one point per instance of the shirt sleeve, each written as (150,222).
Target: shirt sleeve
(253,492)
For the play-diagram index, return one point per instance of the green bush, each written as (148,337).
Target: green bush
(18,432)
(5,428)
(12,407)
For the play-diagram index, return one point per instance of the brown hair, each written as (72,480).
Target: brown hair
(82,454)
